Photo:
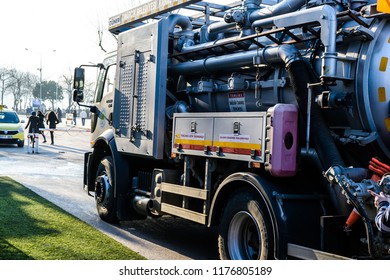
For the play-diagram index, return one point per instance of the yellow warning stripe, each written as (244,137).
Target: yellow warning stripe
(381,94)
(383,64)
(233,145)
(193,142)
(387,123)
(237,145)
(384,7)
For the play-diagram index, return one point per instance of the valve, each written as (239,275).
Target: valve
(329,99)
(340,176)
(236,16)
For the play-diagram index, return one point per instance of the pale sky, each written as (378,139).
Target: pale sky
(57,36)
(68,27)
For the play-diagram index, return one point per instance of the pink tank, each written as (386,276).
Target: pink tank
(282,140)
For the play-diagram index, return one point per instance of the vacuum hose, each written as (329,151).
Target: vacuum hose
(321,138)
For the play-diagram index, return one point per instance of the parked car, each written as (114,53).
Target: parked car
(11,127)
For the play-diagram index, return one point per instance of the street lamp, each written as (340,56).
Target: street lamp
(40,77)
(40,71)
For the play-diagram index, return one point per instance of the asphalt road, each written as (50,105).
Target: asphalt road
(56,173)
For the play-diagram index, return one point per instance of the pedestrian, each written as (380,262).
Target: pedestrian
(382,218)
(59,114)
(52,121)
(74,116)
(28,111)
(83,116)
(32,126)
(41,124)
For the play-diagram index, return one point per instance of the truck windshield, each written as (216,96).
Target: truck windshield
(106,82)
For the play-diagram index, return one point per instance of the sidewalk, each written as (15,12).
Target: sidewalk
(78,123)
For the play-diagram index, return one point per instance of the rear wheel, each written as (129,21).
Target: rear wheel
(104,191)
(245,230)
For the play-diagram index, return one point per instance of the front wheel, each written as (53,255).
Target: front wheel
(104,190)
(245,230)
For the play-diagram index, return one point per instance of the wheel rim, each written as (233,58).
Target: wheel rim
(244,237)
(102,189)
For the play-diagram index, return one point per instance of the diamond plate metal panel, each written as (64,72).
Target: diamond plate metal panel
(126,90)
(139,102)
(142,88)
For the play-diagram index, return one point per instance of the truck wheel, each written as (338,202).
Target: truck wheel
(104,191)
(245,232)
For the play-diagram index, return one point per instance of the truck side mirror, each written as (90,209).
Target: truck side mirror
(78,84)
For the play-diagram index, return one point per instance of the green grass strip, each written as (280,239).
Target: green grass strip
(34,228)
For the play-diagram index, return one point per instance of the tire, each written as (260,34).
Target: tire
(245,231)
(21,144)
(104,191)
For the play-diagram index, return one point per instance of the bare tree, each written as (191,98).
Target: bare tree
(67,80)
(4,82)
(89,92)
(16,87)
(20,86)
(29,82)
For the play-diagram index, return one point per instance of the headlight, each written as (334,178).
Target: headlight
(20,129)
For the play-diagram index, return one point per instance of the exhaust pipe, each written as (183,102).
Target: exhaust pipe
(143,205)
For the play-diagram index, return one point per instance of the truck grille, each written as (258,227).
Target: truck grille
(8,132)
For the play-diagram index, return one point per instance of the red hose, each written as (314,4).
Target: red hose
(378,169)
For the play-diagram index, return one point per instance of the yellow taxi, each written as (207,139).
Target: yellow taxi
(11,128)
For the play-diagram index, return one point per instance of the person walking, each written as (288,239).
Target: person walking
(83,116)
(74,116)
(52,121)
(59,114)
(41,124)
(32,126)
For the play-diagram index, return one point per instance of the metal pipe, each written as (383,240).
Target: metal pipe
(326,16)
(220,26)
(179,20)
(283,7)
(245,44)
(269,55)
(142,205)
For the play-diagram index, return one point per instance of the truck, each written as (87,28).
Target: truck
(267,121)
